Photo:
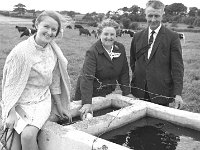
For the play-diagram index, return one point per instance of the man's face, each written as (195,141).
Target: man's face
(154,17)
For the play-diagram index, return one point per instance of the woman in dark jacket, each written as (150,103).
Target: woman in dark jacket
(104,67)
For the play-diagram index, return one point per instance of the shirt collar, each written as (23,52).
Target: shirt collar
(38,47)
(156,31)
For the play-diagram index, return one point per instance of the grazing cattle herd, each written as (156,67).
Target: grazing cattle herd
(82,31)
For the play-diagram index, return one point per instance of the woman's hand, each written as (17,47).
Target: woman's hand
(11,119)
(86,108)
(65,114)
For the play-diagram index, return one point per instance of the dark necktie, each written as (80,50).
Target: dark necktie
(151,37)
(150,42)
(144,50)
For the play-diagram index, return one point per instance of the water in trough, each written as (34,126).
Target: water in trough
(154,134)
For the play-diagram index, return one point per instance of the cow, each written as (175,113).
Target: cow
(21,29)
(69,27)
(28,32)
(128,31)
(95,33)
(33,21)
(131,33)
(181,36)
(77,26)
(118,32)
(84,31)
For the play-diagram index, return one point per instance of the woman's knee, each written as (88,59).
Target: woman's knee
(29,133)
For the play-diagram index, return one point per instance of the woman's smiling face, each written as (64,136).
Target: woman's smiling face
(46,31)
(108,36)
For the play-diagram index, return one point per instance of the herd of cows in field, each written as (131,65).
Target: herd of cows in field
(85,31)
(82,31)
(25,31)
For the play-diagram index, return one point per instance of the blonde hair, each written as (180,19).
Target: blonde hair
(107,23)
(52,14)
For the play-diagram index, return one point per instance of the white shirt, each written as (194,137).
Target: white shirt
(154,37)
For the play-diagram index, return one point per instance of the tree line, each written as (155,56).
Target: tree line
(128,17)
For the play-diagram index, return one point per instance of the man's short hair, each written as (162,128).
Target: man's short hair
(156,4)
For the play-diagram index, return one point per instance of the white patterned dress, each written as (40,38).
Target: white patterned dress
(44,80)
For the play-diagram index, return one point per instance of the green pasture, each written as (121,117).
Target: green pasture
(75,46)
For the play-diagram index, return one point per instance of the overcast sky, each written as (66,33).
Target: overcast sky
(87,6)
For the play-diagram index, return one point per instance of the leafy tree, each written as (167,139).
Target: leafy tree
(176,9)
(168,10)
(100,17)
(20,8)
(126,22)
(134,9)
(197,22)
(72,13)
(109,14)
(32,11)
(124,9)
(88,17)
(198,12)
(189,20)
(192,11)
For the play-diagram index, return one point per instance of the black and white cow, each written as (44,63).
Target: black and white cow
(21,29)
(28,32)
(181,36)
(95,33)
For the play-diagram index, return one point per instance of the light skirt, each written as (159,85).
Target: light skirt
(35,114)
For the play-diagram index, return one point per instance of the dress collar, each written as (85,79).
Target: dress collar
(38,47)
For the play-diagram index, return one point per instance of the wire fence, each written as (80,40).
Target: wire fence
(104,147)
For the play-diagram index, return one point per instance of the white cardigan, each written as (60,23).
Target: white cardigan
(14,80)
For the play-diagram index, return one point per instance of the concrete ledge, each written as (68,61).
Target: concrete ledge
(111,120)
(82,135)
(59,139)
(98,103)
(176,116)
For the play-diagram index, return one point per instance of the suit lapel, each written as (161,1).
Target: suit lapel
(142,40)
(145,43)
(156,43)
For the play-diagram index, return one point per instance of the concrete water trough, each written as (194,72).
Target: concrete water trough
(83,135)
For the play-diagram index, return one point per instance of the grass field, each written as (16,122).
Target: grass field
(75,46)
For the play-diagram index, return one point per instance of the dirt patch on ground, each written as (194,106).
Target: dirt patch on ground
(12,20)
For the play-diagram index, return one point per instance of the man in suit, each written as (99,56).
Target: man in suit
(156,60)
